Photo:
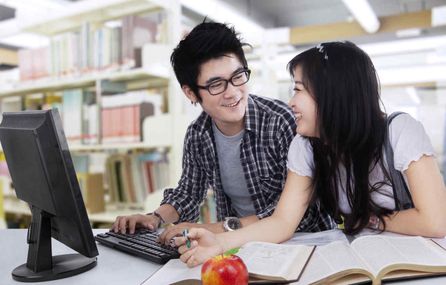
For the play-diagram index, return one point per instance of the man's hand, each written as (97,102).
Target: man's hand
(128,224)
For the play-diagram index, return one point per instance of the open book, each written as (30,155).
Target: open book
(375,258)
(266,263)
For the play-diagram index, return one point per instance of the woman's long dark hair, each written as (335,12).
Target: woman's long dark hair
(342,79)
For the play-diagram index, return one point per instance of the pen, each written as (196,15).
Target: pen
(185,233)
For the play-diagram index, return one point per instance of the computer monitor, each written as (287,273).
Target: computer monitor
(43,175)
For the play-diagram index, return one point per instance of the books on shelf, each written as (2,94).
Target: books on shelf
(93,48)
(132,177)
(34,63)
(123,115)
(11,104)
(92,189)
(266,263)
(72,120)
(136,31)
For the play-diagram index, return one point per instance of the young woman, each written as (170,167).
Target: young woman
(338,159)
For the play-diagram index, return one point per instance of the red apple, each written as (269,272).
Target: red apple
(224,270)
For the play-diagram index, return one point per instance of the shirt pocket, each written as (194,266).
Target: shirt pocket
(271,176)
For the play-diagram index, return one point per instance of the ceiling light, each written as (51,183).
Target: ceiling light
(438,16)
(26,40)
(221,12)
(363,13)
(403,46)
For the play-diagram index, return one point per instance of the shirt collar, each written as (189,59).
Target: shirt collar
(252,116)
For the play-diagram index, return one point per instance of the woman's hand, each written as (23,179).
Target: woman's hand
(204,245)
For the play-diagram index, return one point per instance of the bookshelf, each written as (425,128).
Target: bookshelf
(153,72)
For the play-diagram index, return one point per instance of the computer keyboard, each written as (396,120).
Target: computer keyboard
(143,244)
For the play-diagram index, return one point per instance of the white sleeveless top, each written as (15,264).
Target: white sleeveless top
(409,142)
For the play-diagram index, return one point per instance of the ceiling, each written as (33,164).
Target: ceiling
(307,13)
(292,13)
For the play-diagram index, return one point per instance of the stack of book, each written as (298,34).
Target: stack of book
(132,177)
(115,45)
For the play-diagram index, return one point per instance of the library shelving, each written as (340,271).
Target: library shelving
(80,58)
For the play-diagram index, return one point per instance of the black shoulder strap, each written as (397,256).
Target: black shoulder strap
(403,199)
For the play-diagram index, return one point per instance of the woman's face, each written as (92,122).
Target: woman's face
(304,107)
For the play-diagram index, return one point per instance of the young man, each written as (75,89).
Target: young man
(237,147)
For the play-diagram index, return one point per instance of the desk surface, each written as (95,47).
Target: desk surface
(113,267)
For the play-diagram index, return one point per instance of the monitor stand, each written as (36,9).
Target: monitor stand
(41,265)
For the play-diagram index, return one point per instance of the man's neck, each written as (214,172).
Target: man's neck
(230,129)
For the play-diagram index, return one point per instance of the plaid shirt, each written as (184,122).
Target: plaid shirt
(269,129)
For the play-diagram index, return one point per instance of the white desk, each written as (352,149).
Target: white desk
(113,267)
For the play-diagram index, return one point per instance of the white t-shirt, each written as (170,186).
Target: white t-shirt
(409,143)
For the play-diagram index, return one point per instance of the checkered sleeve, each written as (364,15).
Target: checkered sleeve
(190,192)
(316,219)
(282,137)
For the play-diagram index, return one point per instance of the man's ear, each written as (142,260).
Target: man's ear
(189,94)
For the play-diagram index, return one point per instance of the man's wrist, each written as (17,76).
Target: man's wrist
(231,224)
(159,217)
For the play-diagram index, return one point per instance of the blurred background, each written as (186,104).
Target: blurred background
(105,65)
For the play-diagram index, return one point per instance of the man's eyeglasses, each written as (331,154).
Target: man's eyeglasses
(219,86)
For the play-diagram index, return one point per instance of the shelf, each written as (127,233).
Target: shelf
(114,146)
(117,146)
(158,75)
(91,11)
(14,206)
(109,216)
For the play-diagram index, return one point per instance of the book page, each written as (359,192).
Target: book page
(174,271)
(381,251)
(274,260)
(328,260)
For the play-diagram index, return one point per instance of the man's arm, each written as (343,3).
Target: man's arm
(285,130)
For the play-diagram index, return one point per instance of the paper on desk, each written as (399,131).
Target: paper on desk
(318,238)
(441,242)
(175,271)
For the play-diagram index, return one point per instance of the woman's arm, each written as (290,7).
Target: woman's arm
(427,188)
(279,227)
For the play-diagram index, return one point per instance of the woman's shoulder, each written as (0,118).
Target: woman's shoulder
(405,124)
(300,156)
(300,144)
(402,119)
(409,140)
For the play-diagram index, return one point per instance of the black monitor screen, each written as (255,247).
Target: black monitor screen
(43,175)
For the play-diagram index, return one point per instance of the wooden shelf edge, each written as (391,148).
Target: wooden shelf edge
(86,11)
(73,82)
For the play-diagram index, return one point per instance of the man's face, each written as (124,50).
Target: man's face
(228,108)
